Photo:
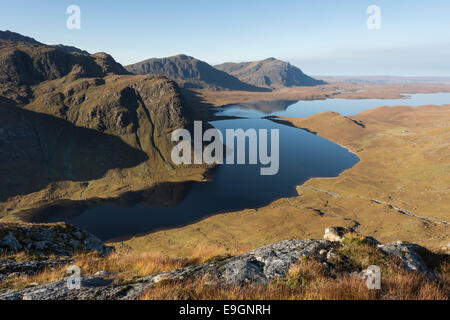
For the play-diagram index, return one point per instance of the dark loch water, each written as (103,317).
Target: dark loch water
(233,187)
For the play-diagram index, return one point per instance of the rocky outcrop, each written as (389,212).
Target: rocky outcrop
(47,239)
(259,266)
(269,73)
(93,288)
(335,234)
(9,268)
(190,73)
(408,254)
(338,234)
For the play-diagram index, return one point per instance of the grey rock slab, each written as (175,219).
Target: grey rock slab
(30,267)
(90,289)
(10,242)
(407,253)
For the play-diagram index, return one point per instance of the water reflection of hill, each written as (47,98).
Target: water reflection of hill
(162,195)
(267,106)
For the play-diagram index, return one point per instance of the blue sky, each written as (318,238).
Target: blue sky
(322,37)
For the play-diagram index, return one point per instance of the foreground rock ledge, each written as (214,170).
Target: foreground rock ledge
(255,267)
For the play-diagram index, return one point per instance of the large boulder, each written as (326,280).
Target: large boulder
(335,234)
(408,254)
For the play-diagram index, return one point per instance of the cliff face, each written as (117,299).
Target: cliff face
(190,73)
(75,125)
(269,73)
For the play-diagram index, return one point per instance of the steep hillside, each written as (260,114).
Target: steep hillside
(190,73)
(76,126)
(269,73)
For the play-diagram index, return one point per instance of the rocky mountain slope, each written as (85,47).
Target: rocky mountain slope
(78,125)
(190,73)
(269,73)
(14,36)
(24,65)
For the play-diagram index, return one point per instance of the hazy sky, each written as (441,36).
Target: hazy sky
(321,37)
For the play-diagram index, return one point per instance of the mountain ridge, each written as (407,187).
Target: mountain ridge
(25,64)
(191,73)
(270,72)
(17,37)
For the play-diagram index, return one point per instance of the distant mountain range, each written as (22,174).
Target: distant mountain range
(271,72)
(384,79)
(191,73)
(261,75)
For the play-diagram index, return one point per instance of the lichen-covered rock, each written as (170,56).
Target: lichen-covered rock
(43,239)
(8,267)
(332,257)
(92,243)
(10,243)
(257,266)
(90,289)
(408,255)
(270,261)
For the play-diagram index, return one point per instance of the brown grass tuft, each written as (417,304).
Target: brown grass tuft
(121,266)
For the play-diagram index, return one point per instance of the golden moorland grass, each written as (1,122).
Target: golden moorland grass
(400,190)
(121,266)
(308,279)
